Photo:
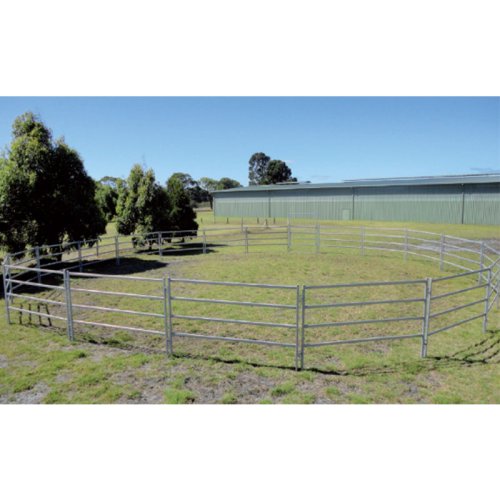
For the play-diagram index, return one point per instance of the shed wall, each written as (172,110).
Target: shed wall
(450,203)
(482,204)
(410,203)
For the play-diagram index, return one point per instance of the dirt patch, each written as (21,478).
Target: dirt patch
(33,396)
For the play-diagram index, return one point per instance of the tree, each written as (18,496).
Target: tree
(46,196)
(182,215)
(106,196)
(256,169)
(193,189)
(208,184)
(277,171)
(143,205)
(108,180)
(227,183)
(263,170)
(186,180)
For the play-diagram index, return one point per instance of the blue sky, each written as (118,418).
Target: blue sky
(322,139)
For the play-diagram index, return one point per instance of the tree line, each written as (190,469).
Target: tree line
(47,196)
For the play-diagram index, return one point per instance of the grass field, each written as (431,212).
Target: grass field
(463,364)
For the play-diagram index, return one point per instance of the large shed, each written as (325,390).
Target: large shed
(466,199)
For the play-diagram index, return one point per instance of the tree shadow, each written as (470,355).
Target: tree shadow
(185,249)
(127,266)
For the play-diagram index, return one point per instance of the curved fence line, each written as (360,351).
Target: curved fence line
(47,269)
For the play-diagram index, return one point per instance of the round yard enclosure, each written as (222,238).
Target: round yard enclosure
(283,296)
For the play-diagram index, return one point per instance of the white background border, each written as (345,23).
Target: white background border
(253,48)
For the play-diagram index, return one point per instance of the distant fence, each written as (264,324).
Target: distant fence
(419,306)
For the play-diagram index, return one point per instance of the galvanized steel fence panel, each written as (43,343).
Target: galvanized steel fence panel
(480,262)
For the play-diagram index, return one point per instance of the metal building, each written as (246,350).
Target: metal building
(467,199)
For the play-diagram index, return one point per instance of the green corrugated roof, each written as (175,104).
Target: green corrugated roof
(398,181)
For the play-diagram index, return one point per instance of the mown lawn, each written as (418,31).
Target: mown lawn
(102,366)
(207,219)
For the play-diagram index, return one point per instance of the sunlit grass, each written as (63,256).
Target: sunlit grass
(107,366)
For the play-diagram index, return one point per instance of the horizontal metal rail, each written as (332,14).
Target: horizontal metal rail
(456,324)
(114,276)
(457,308)
(114,309)
(341,241)
(437,259)
(462,249)
(33,269)
(234,321)
(37,313)
(373,243)
(270,245)
(232,283)
(39,285)
(232,339)
(378,235)
(465,240)
(365,283)
(363,322)
(462,275)
(234,302)
(119,294)
(456,292)
(367,339)
(37,299)
(118,327)
(367,303)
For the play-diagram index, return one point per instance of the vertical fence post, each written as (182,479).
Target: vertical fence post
(481,263)
(318,236)
(297,329)
(69,308)
(204,242)
(426,319)
(441,253)
(498,292)
(165,315)
(168,315)
(406,245)
(9,289)
(246,239)
(37,257)
(302,327)
(487,300)
(289,237)
(362,240)
(160,250)
(117,251)
(79,249)
(6,280)
(97,248)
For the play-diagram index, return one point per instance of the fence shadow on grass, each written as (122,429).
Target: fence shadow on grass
(487,351)
(484,352)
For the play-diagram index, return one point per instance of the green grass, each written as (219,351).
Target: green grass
(177,396)
(206,220)
(39,364)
